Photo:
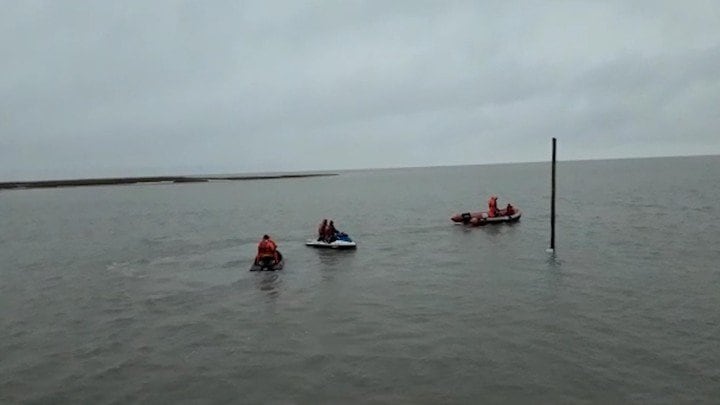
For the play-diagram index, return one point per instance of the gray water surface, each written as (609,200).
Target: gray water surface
(141,293)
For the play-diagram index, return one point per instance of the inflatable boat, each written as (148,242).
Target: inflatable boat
(268,263)
(482,218)
(343,241)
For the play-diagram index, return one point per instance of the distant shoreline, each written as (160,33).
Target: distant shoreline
(146,180)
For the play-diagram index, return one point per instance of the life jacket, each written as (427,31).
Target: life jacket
(266,247)
(322,229)
(492,207)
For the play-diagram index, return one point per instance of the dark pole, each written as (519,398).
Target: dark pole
(552,199)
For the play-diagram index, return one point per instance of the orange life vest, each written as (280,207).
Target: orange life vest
(492,207)
(266,247)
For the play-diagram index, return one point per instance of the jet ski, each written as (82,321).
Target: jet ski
(482,218)
(268,263)
(342,241)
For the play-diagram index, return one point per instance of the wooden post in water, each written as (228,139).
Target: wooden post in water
(552,199)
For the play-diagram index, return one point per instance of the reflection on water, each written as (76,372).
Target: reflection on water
(332,257)
(269,282)
(553,261)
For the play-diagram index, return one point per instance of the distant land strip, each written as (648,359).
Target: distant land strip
(141,180)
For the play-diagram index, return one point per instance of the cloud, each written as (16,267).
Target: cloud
(134,88)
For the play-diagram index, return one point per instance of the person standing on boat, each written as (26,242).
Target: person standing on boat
(322,230)
(492,207)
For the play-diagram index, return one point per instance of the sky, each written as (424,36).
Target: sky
(126,88)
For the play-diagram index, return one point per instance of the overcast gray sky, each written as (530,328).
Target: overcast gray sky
(115,88)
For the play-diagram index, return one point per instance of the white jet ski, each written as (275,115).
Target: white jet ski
(343,241)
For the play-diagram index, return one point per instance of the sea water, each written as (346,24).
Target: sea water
(141,294)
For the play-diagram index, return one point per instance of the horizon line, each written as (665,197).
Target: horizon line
(336,170)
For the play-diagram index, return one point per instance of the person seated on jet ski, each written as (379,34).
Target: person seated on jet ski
(331,234)
(509,210)
(267,247)
(322,230)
